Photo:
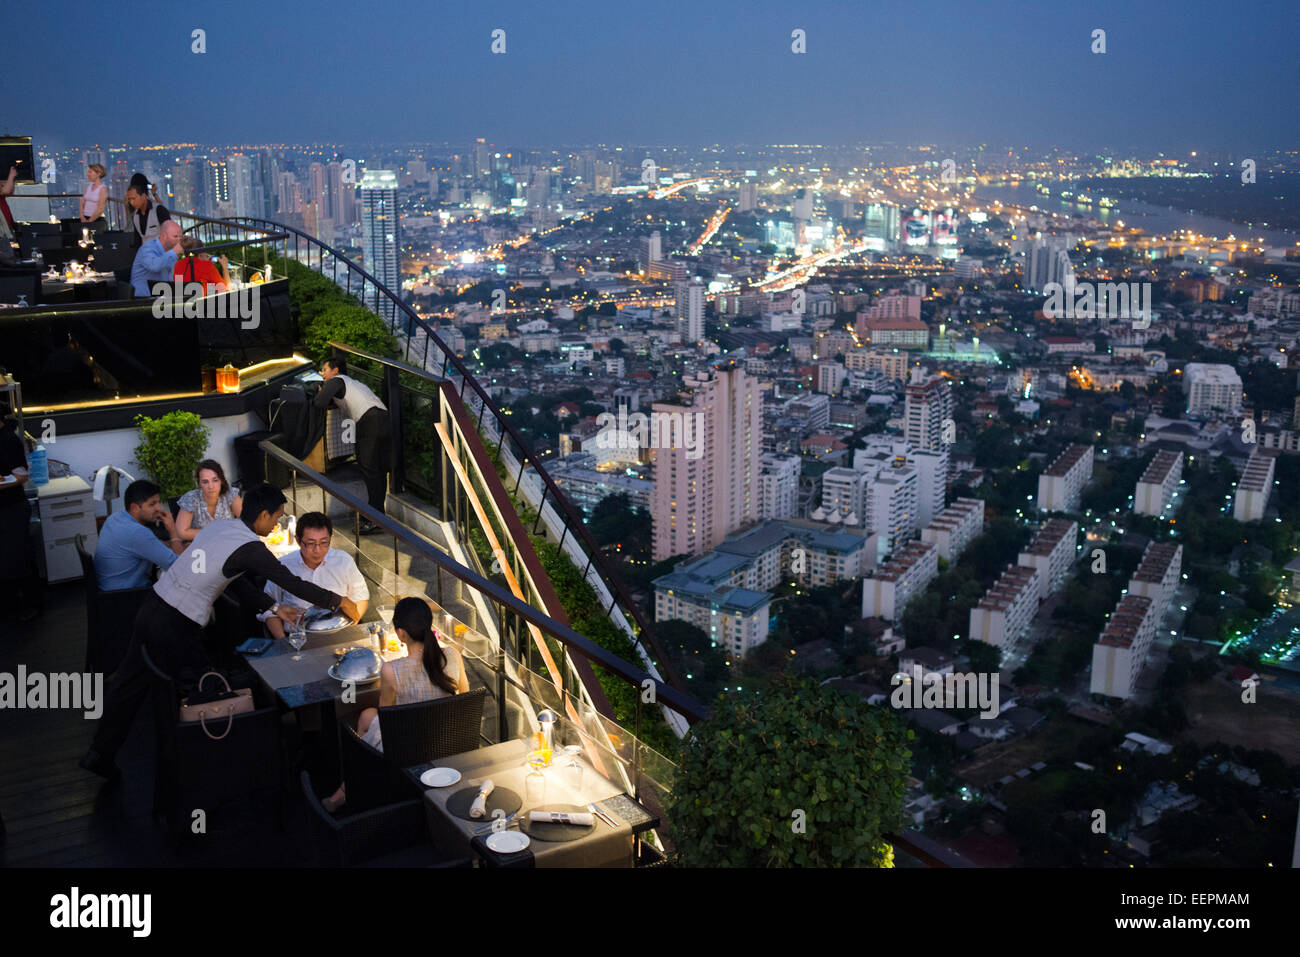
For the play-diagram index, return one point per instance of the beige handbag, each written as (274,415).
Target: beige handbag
(227,705)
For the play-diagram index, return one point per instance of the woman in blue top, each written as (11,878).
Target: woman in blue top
(213,499)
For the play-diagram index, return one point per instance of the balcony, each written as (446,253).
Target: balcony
(470,511)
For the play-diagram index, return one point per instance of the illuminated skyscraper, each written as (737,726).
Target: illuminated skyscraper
(706,472)
(380,239)
(187,185)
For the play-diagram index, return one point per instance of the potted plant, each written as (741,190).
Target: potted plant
(793,775)
(170,448)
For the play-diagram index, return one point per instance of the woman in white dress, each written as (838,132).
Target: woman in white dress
(429,670)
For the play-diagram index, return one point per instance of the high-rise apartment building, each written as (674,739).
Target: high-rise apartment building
(1211,387)
(927,407)
(187,185)
(245,177)
(651,249)
(706,473)
(380,234)
(216,185)
(690,311)
(778,480)
(1046,262)
(748,198)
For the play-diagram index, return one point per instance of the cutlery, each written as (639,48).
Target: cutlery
(487,825)
(602,814)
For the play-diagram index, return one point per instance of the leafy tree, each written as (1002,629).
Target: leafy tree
(702,665)
(796,775)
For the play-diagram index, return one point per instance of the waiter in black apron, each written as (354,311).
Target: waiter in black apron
(171,619)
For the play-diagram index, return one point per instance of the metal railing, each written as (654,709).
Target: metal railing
(518,629)
(425,349)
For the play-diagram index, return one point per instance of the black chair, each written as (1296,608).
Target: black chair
(197,771)
(393,835)
(413,734)
(110,617)
(16,284)
(108,259)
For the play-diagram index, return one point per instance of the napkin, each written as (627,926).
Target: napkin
(479,807)
(580,818)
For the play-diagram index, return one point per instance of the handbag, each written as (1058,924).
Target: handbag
(205,706)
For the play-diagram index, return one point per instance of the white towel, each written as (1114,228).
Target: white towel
(580,818)
(479,807)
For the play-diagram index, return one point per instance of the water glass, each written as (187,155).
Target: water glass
(535,787)
(297,635)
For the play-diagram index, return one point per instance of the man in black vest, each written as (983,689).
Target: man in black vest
(171,619)
(146,215)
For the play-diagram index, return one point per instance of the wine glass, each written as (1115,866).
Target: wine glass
(571,770)
(535,780)
(297,636)
(22,299)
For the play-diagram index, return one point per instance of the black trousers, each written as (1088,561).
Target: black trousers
(20,583)
(175,646)
(374,451)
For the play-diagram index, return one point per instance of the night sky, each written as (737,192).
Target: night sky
(1176,75)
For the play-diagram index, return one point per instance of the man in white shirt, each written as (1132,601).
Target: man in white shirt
(317,563)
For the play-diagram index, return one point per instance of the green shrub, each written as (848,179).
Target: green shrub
(170,449)
(353,325)
(762,757)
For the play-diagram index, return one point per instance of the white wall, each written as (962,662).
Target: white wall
(88,452)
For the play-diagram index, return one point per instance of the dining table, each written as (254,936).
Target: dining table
(600,845)
(306,682)
(88,287)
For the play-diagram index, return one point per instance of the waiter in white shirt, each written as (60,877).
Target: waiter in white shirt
(316,562)
(369,416)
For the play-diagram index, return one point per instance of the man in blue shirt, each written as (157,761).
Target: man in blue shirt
(128,549)
(155,259)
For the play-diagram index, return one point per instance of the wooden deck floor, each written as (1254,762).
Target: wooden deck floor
(56,814)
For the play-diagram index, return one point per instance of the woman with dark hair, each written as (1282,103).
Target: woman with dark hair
(429,670)
(213,499)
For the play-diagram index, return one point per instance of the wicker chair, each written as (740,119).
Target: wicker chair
(413,734)
(393,835)
(195,771)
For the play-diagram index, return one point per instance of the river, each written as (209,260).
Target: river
(1153,220)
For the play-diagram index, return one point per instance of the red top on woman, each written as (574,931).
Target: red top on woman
(193,269)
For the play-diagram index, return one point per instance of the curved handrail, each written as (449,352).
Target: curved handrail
(572,520)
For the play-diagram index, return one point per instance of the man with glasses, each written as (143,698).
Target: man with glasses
(317,563)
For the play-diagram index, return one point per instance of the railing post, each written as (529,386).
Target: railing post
(396,442)
(503,720)
(636,748)
(541,503)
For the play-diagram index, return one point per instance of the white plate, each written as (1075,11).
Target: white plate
(439,777)
(507,842)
